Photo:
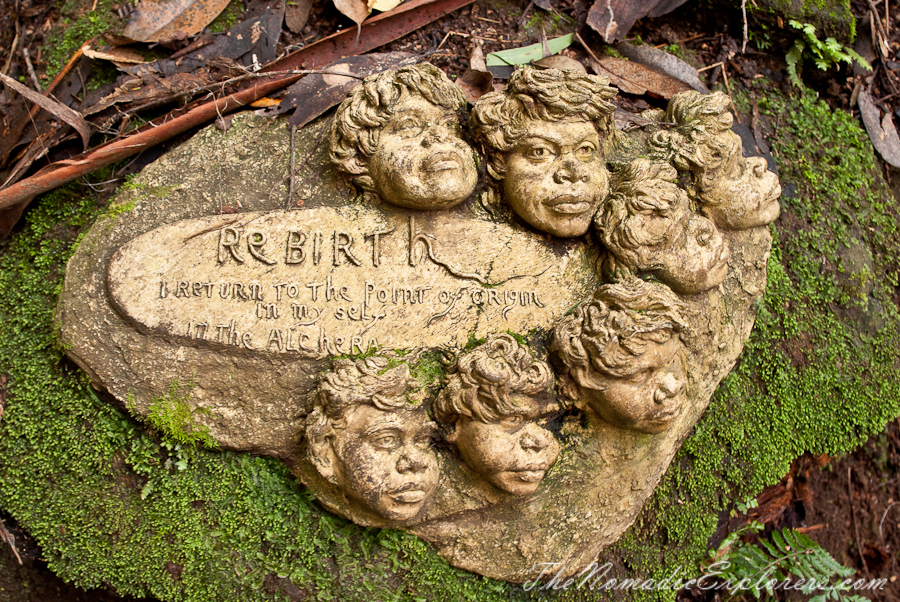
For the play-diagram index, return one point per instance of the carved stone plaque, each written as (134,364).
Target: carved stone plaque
(495,338)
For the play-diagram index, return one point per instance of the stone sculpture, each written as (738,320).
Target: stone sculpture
(546,137)
(398,136)
(369,439)
(736,192)
(648,227)
(492,404)
(396,355)
(621,353)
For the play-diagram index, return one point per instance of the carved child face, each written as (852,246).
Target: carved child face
(694,262)
(384,460)
(647,400)
(744,197)
(512,453)
(421,162)
(556,178)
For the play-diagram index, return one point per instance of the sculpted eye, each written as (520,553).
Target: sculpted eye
(408,124)
(511,422)
(539,152)
(423,441)
(585,151)
(386,441)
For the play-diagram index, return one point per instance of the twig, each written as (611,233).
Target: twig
(30,67)
(746,34)
(525,14)
(446,35)
(883,516)
(10,540)
(713,66)
(876,18)
(293,161)
(725,77)
(683,40)
(586,47)
(853,512)
(489,20)
(808,529)
(12,51)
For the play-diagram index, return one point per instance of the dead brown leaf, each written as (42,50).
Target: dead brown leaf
(560,61)
(58,110)
(167,20)
(613,18)
(316,93)
(296,14)
(882,132)
(477,80)
(355,10)
(664,63)
(119,54)
(633,78)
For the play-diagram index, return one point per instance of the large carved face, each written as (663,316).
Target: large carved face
(512,453)
(744,197)
(384,460)
(555,178)
(647,400)
(420,161)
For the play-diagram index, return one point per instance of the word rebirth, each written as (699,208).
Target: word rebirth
(596,577)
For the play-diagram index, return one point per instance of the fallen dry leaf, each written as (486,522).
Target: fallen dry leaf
(665,63)
(58,110)
(119,54)
(316,93)
(477,80)
(560,61)
(882,132)
(384,5)
(167,20)
(355,10)
(613,18)
(296,14)
(633,78)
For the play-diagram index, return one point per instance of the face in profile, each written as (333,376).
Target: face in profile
(647,400)
(746,196)
(694,262)
(420,161)
(384,460)
(556,178)
(512,453)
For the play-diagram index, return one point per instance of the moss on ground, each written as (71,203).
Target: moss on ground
(112,503)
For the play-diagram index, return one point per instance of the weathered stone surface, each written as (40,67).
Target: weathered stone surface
(331,281)
(257,400)
(247,302)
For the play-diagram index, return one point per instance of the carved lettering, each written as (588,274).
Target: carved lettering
(376,245)
(295,253)
(342,243)
(256,240)
(229,239)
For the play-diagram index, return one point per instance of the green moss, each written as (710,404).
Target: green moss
(172,414)
(228,18)
(78,25)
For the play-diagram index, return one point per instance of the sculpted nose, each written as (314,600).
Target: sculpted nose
(535,440)
(571,171)
(669,387)
(435,134)
(759,166)
(411,461)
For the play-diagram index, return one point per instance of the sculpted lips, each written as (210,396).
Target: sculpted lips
(569,203)
(409,494)
(442,161)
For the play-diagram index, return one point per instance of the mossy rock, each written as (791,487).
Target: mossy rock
(114,503)
(831,18)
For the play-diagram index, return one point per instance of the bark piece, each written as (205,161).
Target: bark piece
(167,20)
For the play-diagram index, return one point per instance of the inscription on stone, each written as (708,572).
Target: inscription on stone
(328,281)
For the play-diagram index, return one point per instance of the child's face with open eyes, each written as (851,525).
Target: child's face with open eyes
(513,453)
